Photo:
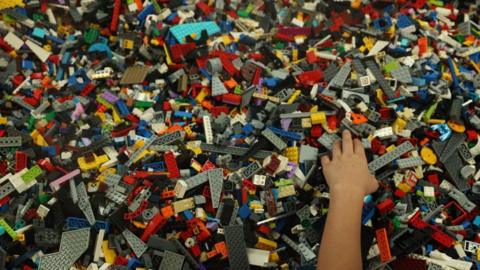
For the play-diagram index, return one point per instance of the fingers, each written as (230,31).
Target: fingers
(336,149)
(358,147)
(325,160)
(347,143)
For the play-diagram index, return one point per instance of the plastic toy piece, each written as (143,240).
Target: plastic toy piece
(452,145)
(342,75)
(6,189)
(383,160)
(84,203)
(8,229)
(186,29)
(452,165)
(137,245)
(171,164)
(373,67)
(233,150)
(197,180)
(140,150)
(172,261)
(31,174)
(55,184)
(218,88)
(410,162)
(328,139)
(301,249)
(207,127)
(274,139)
(11,141)
(73,244)
(215,178)
(168,138)
(237,253)
(462,200)
(383,245)
(251,169)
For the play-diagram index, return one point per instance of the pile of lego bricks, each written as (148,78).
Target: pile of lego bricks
(186,134)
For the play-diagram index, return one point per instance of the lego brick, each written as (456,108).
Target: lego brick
(172,261)
(237,253)
(10,141)
(137,245)
(274,139)
(385,159)
(215,179)
(134,75)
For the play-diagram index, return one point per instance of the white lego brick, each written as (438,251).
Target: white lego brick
(257,257)
(14,41)
(40,52)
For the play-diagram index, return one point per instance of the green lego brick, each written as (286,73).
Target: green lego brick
(8,229)
(31,174)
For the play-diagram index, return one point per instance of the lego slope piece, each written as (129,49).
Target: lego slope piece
(237,253)
(215,179)
(72,245)
(172,261)
(137,245)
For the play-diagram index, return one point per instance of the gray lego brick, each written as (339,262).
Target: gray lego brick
(328,139)
(197,180)
(251,169)
(452,145)
(168,138)
(218,88)
(84,203)
(377,73)
(215,179)
(358,67)
(465,153)
(453,165)
(402,74)
(72,246)
(6,189)
(190,259)
(237,249)
(137,245)
(171,261)
(462,199)
(302,249)
(409,162)
(342,75)
(15,141)
(274,139)
(330,72)
(390,156)
(233,150)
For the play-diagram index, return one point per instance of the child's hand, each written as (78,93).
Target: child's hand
(347,171)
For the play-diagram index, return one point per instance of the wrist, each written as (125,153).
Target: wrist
(351,193)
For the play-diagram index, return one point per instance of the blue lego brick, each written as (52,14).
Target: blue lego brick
(66,58)
(78,223)
(286,134)
(188,214)
(55,39)
(147,10)
(382,23)
(476,221)
(122,108)
(156,166)
(38,33)
(244,211)
(247,129)
(182,30)
(182,114)
(27,64)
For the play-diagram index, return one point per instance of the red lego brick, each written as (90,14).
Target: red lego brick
(171,163)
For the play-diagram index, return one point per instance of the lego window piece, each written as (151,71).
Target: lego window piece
(73,244)
(172,261)
(134,75)
(137,245)
(237,253)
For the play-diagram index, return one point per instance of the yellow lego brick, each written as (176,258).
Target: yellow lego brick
(398,125)
(404,187)
(291,153)
(3,120)
(128,44)
(4,4)
(116,117)
(188,131)
(274,257)
(294,96)
(390,148)
(266,244)
(167,54)
(306,123)
(318,118)
(38,138)
(108,253)
(8,229)
(98,160)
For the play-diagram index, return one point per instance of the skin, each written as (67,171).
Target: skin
(349,180)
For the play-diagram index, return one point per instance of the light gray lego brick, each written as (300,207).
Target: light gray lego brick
(135,243)
(462,200)
(233,150)
(381,161)
(168,138)
(112,179)
(215,179)
(452,145)
(402,74)
(303,213)
(307,153)
(11,141)
(409,162)
(328,139)
(197,180)
(330,72)
(300,248)
(342,75)
(140,150)
(84,203)
(251,169)
(274,139)
(6,189)
(171,261)
(237,249)
(218,88)
(73,244)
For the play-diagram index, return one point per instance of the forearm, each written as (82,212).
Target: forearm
(340,247)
